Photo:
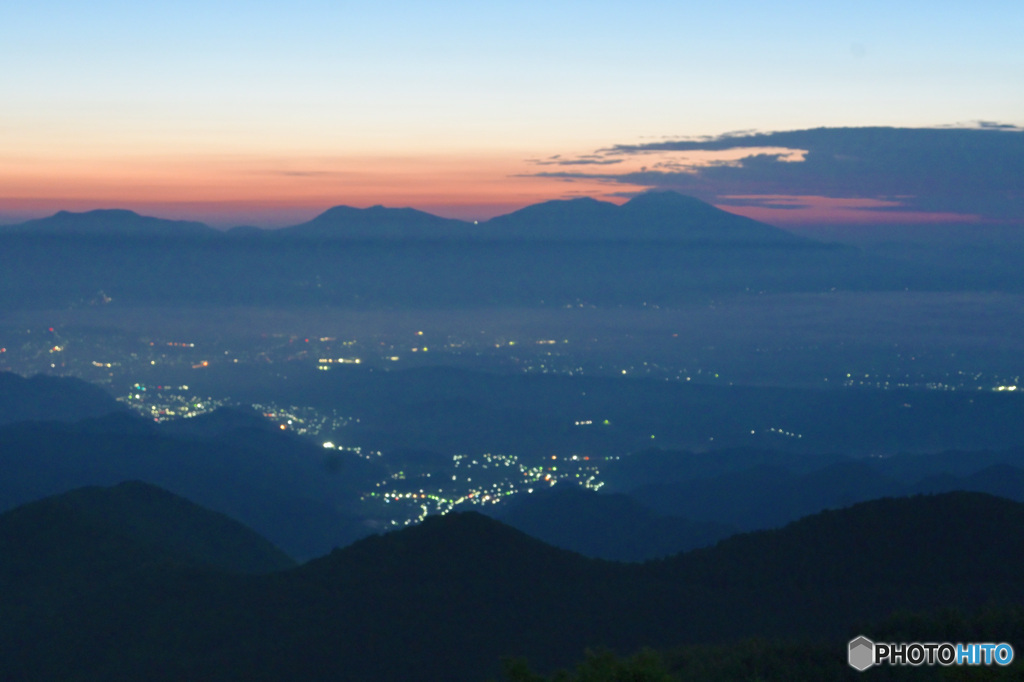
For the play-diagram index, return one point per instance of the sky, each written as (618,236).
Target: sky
(268,113)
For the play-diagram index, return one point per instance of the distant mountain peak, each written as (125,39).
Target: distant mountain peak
(451,546)
(652,216)
(668,198)
(110,213)
(377,222)
(110,222)
(664,195)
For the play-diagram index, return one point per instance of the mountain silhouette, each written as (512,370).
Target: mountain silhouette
(159,523)
(110,223)
(376,222)
(660,247)
(652,216)
(606,526)
(44,397)
(557,219)
(768,496)
(221,422)
(1003,480)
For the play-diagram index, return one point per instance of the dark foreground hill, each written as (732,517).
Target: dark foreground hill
(289,490)
(446,599)
(612,526)
(158,525)
(687,500)
(52,398)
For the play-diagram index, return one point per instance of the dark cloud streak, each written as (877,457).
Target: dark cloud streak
(585,161)
(976,171)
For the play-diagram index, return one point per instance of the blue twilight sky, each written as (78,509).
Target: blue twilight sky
(264,111)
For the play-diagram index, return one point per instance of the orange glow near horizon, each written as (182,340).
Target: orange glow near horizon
(272,192)
(275,190)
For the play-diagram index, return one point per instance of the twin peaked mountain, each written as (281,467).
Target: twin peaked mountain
(654,216)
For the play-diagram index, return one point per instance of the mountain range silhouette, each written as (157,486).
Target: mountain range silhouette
(653,216)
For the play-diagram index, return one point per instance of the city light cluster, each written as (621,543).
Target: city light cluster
(482,480)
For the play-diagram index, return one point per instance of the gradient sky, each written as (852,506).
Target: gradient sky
(269,112)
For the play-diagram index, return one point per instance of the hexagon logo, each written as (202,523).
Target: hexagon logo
(862,653)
